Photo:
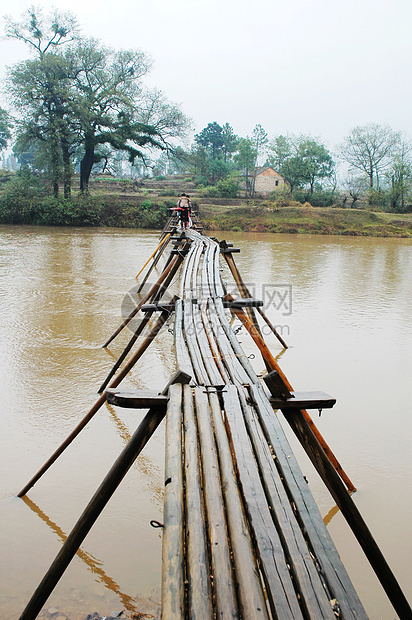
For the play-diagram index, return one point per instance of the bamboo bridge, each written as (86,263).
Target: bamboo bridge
(242,535)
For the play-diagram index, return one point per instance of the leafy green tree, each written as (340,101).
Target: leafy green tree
(303,161)
(86,99)
(42,88)
(5,126)
(212,139)
(39,87)
(281,149)
(370,149)
(245,159)
(105,85)
(259,140)
(219,169)
(212,153)
(230,141)
(316,161)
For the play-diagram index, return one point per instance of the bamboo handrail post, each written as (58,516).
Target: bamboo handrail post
(155,297)
(145,320)
(244,291)
(153,253)
(155,261)
(99,500)
(233,268)
(153,333)
(272,328)
(272,364)
(349,510)
(147,297)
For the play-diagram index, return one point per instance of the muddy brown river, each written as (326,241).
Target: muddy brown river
(344,307)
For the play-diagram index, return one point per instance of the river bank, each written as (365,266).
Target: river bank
(306,219)
(151,212)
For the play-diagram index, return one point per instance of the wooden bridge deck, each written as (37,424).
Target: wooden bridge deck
(243,537)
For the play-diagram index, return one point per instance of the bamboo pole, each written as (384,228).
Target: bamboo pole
(145,299)
(145,320)
(246,293)
(153,253)
(273,365)
(155,297)
(173,543)
(272,327)
(155,261)
(153,333)
(240,284)
(99,500)
(199,587)
(330,477)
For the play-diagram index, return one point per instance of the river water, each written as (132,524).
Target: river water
(344,307)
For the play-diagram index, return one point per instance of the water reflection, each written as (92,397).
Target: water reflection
(61,291)
(143,463)
(93,564)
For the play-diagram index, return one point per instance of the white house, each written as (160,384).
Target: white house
(267,180)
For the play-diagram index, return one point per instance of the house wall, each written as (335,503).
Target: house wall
(268,181)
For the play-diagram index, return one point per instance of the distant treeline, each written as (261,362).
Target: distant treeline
(78,107)
(24,200)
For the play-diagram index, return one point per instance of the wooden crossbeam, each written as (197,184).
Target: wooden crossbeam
(136,399)
(158,307)
(304,400)
(179,252)
(229,250)
(244,302)
(283,398)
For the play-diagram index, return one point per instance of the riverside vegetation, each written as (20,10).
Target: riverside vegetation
(65,134)
(24,200)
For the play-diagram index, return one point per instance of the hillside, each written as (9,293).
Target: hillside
(243,214)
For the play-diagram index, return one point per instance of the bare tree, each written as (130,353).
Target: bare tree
(370,149)
(355,185)
(399,176)
(43,34)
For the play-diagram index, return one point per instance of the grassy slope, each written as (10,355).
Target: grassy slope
(117,202)
(328,221)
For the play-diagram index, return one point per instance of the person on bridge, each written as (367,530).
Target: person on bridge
(184,208)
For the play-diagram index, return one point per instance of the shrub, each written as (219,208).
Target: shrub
(281,197)
(227,188)
(208,190)
(146,205)
(323,198)
(378,198)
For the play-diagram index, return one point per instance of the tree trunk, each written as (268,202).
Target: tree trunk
(86,166)
(67,172)
(371,176)
(55,166)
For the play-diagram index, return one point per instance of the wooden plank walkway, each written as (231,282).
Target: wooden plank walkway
(243,537)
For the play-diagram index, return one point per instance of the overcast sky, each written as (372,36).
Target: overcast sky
(319,67)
